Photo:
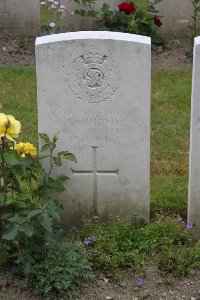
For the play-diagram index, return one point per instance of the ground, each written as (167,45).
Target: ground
(175,54)
(20,51)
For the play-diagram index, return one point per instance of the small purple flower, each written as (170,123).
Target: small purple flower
(189,225)
(93,239)
(139,282)
(87,241)
(179,219)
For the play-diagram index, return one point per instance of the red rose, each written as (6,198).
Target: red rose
(126,7)
(157,21)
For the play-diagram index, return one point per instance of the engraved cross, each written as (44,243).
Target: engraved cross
(95,172)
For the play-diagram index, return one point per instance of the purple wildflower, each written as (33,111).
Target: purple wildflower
(87,241)
(139,282)
(189,225)
(93,239)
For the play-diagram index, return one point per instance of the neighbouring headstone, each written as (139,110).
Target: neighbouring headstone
(73,22)
(194,166)
(20,17)
(94,88)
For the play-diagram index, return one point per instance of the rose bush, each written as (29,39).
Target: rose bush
(27,210)
(128,17)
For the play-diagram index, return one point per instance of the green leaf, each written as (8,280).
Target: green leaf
(28,229)
(34,213)
(44,137)
(57,186)
(1,198)
(23,196)
(11,233)
(62,178)
(55,137)
(10,200)
(67,155)
(46,222)
(45,147)
(57,161)
(12,158)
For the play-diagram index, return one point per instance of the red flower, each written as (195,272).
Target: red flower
(126,7)
(157,21)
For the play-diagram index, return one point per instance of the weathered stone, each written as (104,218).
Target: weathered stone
(194,167)
(94,88)
(20,16)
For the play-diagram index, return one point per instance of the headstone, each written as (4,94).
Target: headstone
(176,18)
(73,22)
(20,17)
(194,166)
(94,88)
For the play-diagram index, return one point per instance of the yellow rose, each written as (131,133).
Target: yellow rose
(25,148)
(9,127)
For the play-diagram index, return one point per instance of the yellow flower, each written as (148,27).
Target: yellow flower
(9,127)
(25,148)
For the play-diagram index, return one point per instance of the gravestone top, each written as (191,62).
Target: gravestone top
(84,35)
(94,89)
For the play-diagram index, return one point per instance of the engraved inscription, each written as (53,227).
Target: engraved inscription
(93,77)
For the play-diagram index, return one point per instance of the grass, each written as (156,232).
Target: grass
(171,93)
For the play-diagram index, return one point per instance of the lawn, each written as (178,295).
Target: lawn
(171,93)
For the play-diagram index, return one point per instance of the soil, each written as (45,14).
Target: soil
(19,51)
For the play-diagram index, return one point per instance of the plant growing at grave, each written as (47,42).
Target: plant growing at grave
(195,18)
(29,217)
(51,10)
(117,243)
(63,269)
(128,17)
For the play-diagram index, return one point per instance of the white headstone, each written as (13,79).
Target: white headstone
(73,22)
(194,166)
(94,88)
(20,16)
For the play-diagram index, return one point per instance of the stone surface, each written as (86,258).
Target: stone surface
(94,88)
(74,22)
(194,167)
(176,18)
(20,16)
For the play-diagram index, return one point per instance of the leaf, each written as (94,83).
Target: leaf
(57,186)
(57,161)
(11,233)
(62,178)
(46,222)
(12,158)
(1,198)
(26,162)
(45,147)
(34,213)
(44,137)
(23,196)
(67,155)
(55,137)
(28,229)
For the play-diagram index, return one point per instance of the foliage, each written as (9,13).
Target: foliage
(195,18)
(118,243)
(64,267)
(51,10)
(180,261)
(27,211)
(129,18)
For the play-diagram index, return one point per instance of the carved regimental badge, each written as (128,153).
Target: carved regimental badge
(93,76)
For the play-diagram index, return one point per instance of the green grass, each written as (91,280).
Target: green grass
(171,93)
